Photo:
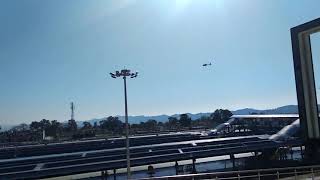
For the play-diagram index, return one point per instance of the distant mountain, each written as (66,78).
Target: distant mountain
(143,118)
(5,127)
(289,109)
(246,111)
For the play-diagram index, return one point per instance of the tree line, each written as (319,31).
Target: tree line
(108,127)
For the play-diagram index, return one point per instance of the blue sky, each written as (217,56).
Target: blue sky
(55,52)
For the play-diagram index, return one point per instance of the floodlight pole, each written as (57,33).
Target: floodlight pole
(127,127)
(126,73)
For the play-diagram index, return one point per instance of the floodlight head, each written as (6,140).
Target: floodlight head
(112,75)
(124,73)
(118,74)
(133,75)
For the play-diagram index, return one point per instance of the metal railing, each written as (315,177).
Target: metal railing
(272,173)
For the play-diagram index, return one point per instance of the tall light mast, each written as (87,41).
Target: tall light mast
(124,73)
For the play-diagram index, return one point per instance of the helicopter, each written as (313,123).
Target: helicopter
(206,64)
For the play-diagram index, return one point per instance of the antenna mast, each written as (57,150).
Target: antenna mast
(72,111)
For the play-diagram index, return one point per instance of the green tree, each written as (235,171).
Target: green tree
(20,127)
(95,125)
(173,123)
(35,126)
(221,115)
(226,114)
(185,120)
(45,124)
(86,126)
(150,125)
(55,129)
(112,124)
(36,130)
(72,125)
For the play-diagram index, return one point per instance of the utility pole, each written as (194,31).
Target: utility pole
(72,111)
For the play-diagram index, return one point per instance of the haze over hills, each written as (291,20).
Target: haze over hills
(288,109)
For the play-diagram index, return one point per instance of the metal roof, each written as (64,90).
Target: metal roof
(92,161)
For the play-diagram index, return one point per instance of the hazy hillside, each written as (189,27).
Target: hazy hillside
(160,118)
(289,109)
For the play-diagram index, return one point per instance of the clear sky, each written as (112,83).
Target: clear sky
(54,52)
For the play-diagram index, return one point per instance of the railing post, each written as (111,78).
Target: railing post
(301,153)
(114,174)
(298,171)
(177,167)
